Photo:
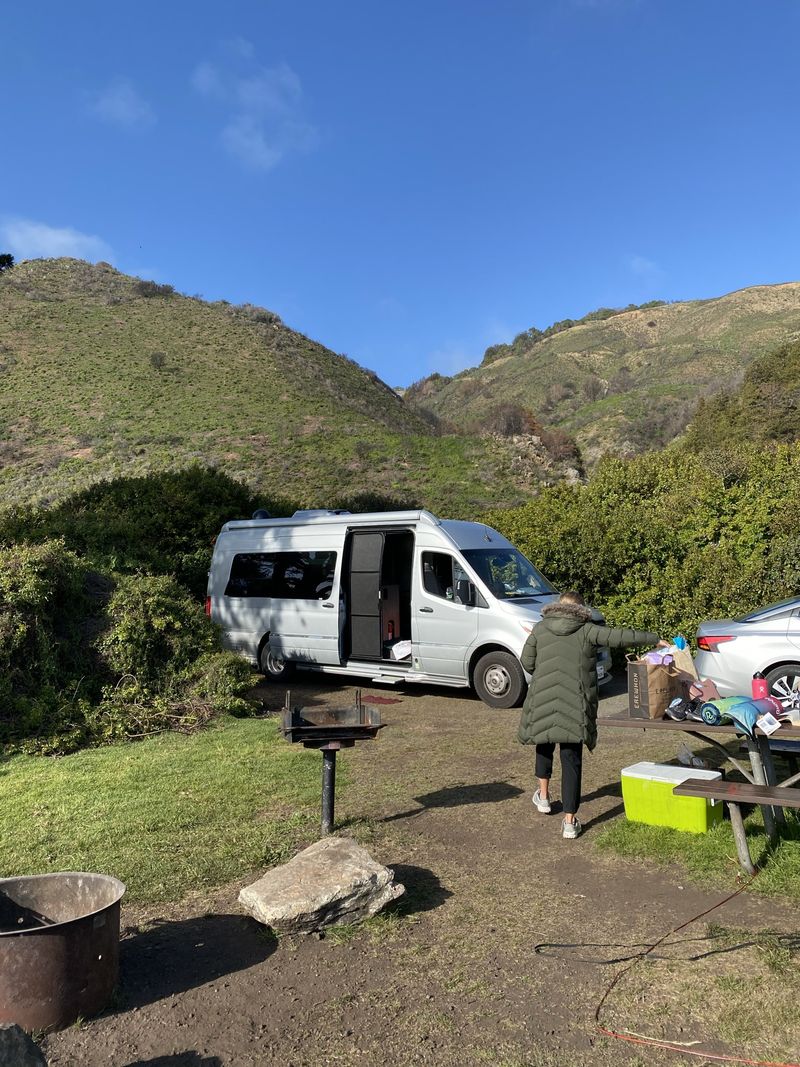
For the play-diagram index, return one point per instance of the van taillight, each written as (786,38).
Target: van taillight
(710,643)
(208,606)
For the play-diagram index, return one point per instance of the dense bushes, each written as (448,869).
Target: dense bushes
(45,632)
(156,630)
(669,539)
(763,409)
(150,289)
(159,524)
(81,667)
(102,633)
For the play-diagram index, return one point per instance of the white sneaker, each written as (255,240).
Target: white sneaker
(542,805)
(570,830)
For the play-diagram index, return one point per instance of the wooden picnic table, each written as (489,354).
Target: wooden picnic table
(762,766)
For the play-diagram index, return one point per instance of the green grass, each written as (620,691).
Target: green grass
(711,858)
(167,815)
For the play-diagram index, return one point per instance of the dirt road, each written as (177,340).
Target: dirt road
(499,953)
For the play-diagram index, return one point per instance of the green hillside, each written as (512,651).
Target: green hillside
(103,375)
(762,410)
(622,382)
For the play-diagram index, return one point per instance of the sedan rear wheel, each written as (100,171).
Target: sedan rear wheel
(784,683)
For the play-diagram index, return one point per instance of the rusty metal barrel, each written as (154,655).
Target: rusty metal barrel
(59,947)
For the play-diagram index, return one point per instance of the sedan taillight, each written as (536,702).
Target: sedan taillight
(208,606)
(711,642)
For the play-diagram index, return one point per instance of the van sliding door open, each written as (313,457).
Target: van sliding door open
(378,593)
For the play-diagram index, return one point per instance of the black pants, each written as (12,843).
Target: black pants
(571,762)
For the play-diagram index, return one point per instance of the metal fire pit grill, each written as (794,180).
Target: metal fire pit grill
(330,729)
(59,947)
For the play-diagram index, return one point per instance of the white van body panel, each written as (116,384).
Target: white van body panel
(318,628)
(305,629)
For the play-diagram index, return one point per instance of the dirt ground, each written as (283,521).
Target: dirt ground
(498,954)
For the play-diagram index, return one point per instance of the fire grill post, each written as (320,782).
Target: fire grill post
(330,729)
(328,788)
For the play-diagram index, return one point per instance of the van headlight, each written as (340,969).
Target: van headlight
(527,626)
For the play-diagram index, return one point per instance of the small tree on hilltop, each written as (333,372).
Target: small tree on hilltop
(6,261)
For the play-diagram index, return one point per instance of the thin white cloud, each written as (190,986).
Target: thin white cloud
(246,140)
(27,239)
(239,47)
(451,358)
(273,92)
(645,268)
(207,81)
(120,104)
(266,120)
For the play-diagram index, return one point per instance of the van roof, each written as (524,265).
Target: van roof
(336,518)
(462,533)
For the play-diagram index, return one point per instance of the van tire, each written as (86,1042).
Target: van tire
(275,668)
(499,680)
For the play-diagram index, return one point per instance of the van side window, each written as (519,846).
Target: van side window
(282,575)
(437,574)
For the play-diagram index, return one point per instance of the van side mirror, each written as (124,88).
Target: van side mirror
(465,592)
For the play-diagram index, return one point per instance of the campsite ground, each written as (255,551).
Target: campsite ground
(501,950)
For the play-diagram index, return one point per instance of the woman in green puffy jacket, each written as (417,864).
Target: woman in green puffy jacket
(561,704)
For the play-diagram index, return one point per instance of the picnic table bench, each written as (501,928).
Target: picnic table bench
(734,794)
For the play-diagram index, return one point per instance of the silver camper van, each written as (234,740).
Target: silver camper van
(393,596)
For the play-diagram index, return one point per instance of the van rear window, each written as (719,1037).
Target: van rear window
(282,575)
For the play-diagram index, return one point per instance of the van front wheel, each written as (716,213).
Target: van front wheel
(275,667)
(499,680)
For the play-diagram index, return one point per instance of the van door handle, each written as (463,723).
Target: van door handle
(430,610)
(328,604)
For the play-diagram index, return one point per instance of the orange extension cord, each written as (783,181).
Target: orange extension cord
(654,1042)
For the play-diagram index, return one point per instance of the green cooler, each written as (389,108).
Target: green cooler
(647,793)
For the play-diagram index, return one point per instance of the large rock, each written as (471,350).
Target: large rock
(17,1049)
(331,881)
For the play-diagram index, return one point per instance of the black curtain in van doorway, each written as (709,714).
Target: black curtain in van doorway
(366,555)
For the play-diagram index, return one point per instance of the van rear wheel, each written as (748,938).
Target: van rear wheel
(499,680)
(275,667)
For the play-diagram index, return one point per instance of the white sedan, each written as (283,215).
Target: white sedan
(731,651)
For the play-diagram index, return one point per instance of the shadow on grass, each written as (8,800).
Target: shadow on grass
(424,891)
(788,830)
(172,957)
(455,796)
(179,1059)
(613,789)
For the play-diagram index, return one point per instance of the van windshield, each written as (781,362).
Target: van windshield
(507,573)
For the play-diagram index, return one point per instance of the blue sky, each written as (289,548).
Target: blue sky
(409,183)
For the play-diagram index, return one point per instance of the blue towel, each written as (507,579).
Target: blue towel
(742,711)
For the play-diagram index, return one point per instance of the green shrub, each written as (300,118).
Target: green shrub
(763,409)
(160,524)
(44,609)
(150,289)
(220,679)
(156,631)
(667,540)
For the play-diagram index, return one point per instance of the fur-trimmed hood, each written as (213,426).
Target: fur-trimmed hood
(562,609)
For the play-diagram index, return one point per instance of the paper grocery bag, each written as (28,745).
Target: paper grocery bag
(651,687)
(683,661)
